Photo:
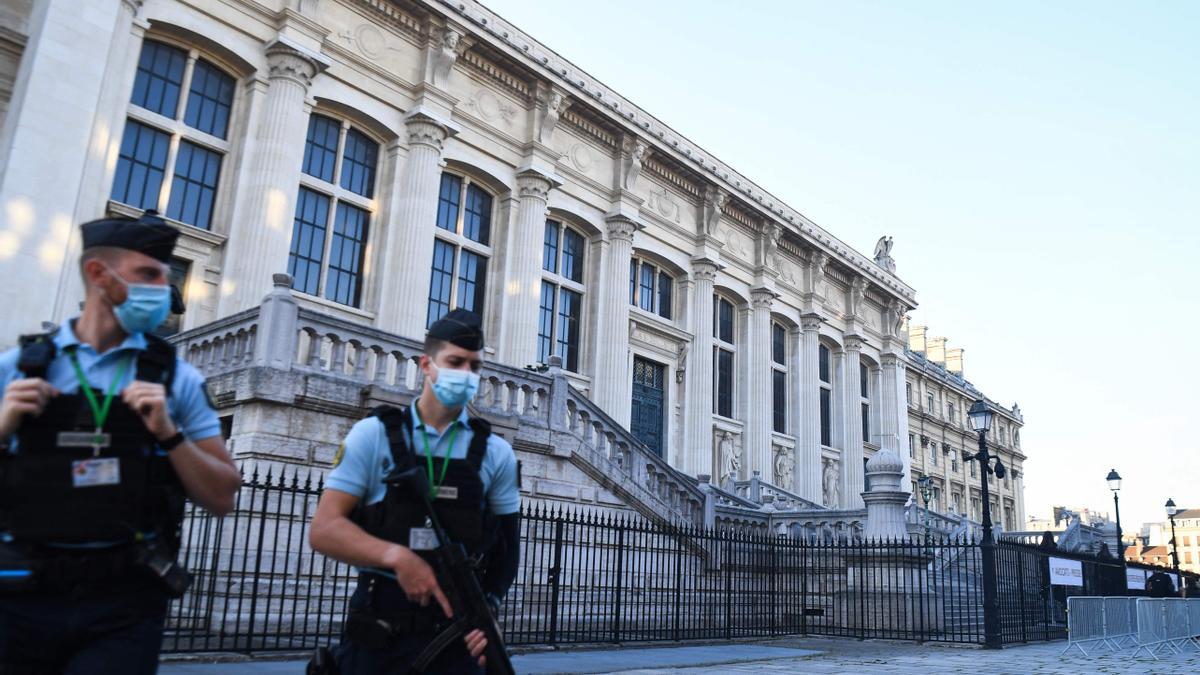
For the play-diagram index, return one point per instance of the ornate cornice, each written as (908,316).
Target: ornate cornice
(523,49)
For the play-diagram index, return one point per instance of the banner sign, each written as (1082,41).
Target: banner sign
(1065,572)
(1135,579)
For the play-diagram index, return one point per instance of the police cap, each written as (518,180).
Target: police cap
(148,234)
(461,328)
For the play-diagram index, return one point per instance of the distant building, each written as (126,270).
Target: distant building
(1154,541)
(939,434)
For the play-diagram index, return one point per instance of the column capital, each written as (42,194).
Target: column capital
(621,228)
(425,129)
(762,298)
(534,183)
(704,269)
(287,60)
(134,5)
(854,343)
(811,322)
(891,360)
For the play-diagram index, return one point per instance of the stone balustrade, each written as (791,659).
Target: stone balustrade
(352,364)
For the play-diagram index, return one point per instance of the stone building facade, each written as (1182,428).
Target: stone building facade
(938,398)
(400,158)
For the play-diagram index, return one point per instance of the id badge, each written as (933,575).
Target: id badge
(96,471)
(447,492)
(422,539)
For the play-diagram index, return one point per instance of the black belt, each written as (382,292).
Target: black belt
(55,569)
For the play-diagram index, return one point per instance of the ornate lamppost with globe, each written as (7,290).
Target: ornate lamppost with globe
(980,416)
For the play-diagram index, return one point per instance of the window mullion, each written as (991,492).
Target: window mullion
(185,86)
(453,301)
(341,151)
(164,190)
(328,245)
(460,224)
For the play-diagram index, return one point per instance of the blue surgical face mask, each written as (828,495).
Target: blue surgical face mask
(145,308)
(455,388)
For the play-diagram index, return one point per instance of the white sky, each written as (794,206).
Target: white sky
(1037,164)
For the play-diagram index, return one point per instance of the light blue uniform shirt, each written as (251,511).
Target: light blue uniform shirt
(187,404)
(365,458)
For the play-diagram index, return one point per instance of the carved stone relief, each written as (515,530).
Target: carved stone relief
(736,244)
(491,107)
(662,202)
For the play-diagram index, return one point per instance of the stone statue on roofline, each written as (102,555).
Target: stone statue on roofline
(883,254)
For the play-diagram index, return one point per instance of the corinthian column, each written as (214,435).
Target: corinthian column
(808,454)
(698,404)
(522,287)
(612,322)
(759,401)
(852,451)
(403,307)
(259,240)
(894,410)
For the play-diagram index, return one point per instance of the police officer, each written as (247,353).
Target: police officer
(399,606)
(103,431)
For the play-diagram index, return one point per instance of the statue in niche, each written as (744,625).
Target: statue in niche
(784,464)
(883,254)
(829,482)
(443,58)
(714,201)
(554,108)
(731,463)
(633,164)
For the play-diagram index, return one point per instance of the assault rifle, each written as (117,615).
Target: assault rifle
(456,576)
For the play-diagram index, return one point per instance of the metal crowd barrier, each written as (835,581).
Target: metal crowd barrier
(1154,625)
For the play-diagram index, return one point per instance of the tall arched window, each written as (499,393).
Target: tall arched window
(723,353)
(337,184)
(825,391)
(779,373)
(651,288)
(176,134)
(461,248)
(562,294)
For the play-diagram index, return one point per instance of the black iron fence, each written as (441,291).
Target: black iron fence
(589,578)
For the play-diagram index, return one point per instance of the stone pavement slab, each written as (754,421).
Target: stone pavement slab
(794,655)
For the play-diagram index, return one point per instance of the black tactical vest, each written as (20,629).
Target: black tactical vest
(460,506)
(39,502)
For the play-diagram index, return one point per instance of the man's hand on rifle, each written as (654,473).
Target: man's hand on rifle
(416,577)
(476,643)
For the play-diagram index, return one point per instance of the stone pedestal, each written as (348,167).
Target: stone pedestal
(889,590)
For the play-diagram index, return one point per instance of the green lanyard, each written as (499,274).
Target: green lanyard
(433,486)
(99,412)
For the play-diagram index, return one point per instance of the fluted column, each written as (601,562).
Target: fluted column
(259,242)
(612,322)
(403,307)
(95,183)
(808,449)
(698,405)
(522,287)
(893,414)
(852,449)
(759,401)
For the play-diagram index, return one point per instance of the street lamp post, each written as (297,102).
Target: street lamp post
(1114,484)
(1171,511)
(981,420)
(923,484)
